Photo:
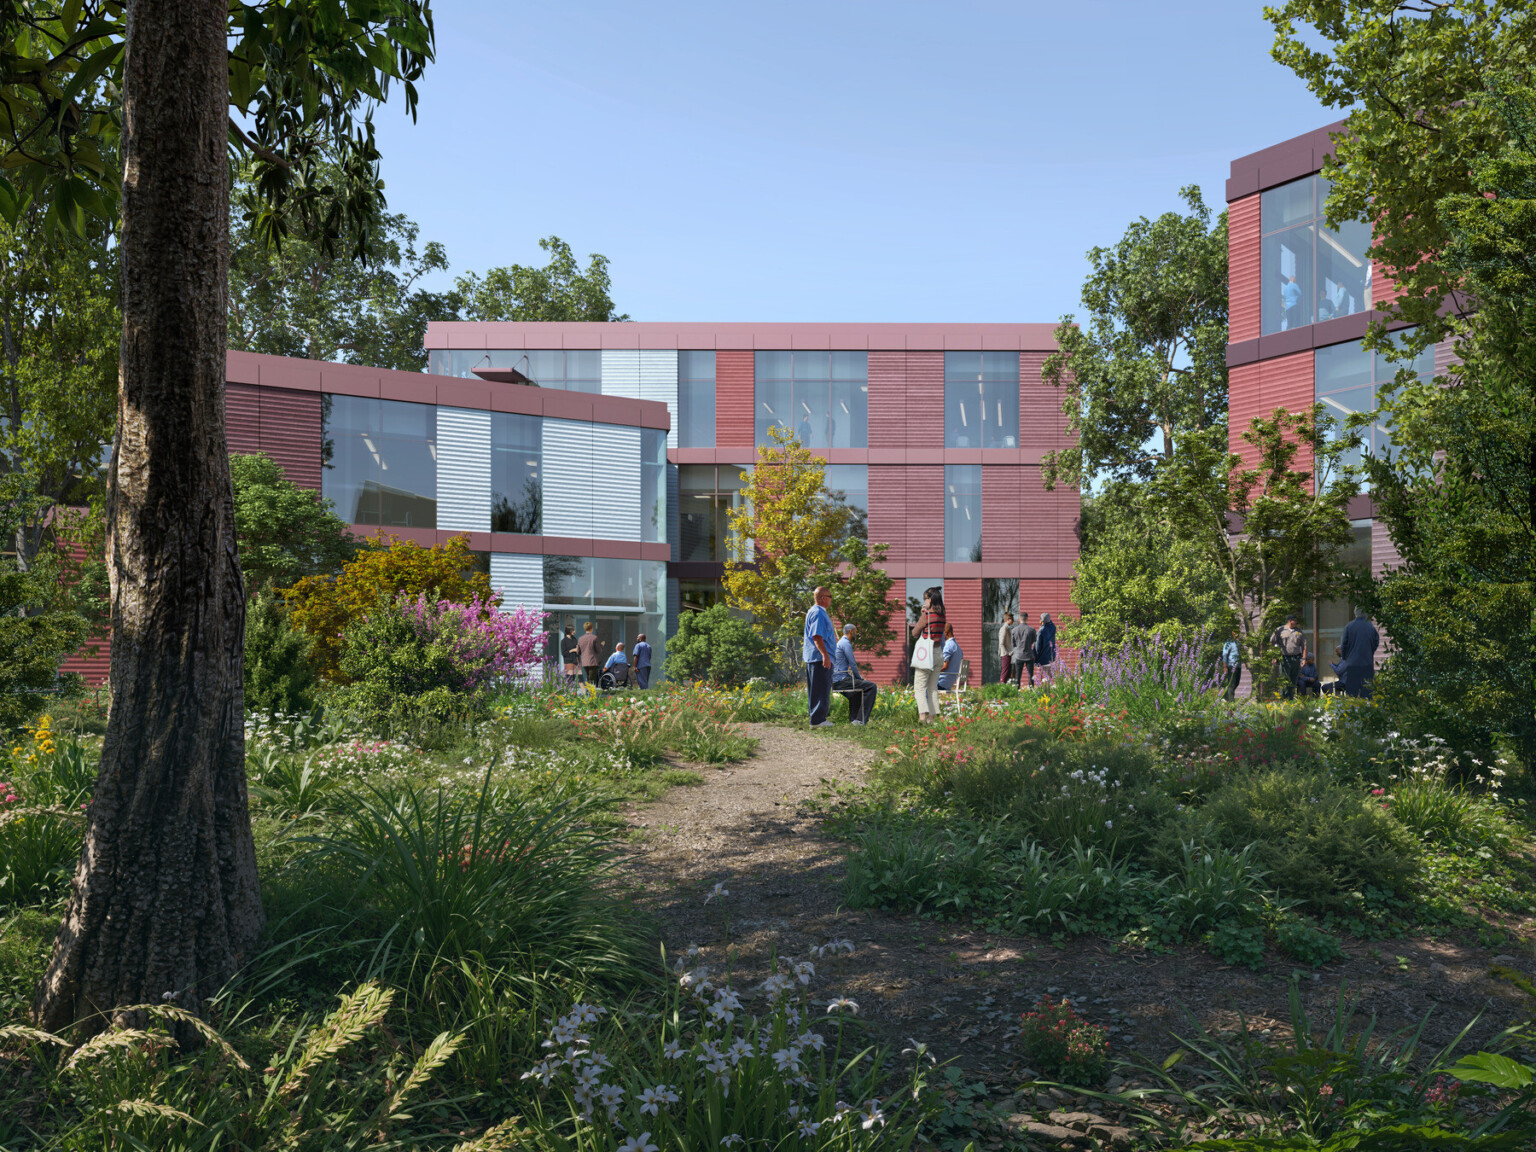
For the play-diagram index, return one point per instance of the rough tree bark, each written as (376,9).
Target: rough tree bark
(165,899)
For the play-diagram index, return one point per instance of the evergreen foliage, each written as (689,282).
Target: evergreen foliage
(717,645)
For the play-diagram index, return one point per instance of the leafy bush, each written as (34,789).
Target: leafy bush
(37,630)
(1315,839)
(1237,943)
(1083,889)
(285,532)
(279,677)
(1215,886)
(719,646)
(1058,1042)
(1303,941)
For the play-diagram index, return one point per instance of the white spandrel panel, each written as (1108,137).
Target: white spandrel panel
(616,490)
(621,372)
(569,467)
(519,580)
(463,470)
(658,381)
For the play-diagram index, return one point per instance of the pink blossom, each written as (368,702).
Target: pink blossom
(486,643)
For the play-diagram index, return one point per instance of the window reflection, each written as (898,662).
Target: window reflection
(569,370)
(517,490)
(981,399)
(1349,380)
(696,399)
(822,397)
(1311,272)
(380,461)
(962,513)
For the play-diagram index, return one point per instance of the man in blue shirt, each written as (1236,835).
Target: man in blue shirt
(642,661)
(618,664)
(950,657)
(817,654)
(860,693)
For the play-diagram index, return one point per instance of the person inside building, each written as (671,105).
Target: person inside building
(949,669)
(642,656)
(859,693)
(588,648)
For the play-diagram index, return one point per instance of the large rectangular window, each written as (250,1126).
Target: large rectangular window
(653,485)
(517,487)
(981,399)
(706,497)
(998,598)
(569,370)
(695,399)
(1310,272)
(822,397)
(380,461)
(962,513)
(1348,379)
(850,483)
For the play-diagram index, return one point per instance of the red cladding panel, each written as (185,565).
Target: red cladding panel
(1047,523)
(290,433)
(733,398)
(1000,495)
(1042,423)
(924,484)
(888,510)
(888,399)
(242,418)
(887,670)
(1244,284)
(1384,288)
(962,608)
(1259,388)
(93,662)
(923,407)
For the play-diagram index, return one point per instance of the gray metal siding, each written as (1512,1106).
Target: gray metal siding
(463,470)
(615,491)
(658,381)
(621,372)
(568,479)
(519,580)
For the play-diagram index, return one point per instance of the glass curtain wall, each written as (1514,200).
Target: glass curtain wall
(573,370)
(707,495)
(517,491)
(380,461)
(1323,620)
(1311,272)
(1348,379)
(850,483)
(622,598)
(695,399)
(998,597)
(822,397)
(981,399)
(653,485)
(962,513)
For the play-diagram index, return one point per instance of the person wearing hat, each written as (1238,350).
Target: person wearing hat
(1292,643)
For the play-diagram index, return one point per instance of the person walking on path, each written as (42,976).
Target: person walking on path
(1045,643)
(1005,648)
(925,681)
(949,670)
(1024,636)
(1292,643)
(1231,667)
(1357,654)
(817,654)
(570,656)
(642,656)
(860,693)
(588,648)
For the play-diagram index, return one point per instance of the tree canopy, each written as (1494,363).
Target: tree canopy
(285,532)
(558,291)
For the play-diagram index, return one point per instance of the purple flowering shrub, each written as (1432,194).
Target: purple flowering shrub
(484,643)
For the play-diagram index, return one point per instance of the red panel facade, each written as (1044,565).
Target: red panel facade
(888,399)
(888,510)
(1054,596)
(1244,292)
(242,418)
(924,485)
(887,669)
(923,406)
(1042,423)
(1000,499)
(1047,527)
(733,398)
(291,435)
(962,608)
(1258,389)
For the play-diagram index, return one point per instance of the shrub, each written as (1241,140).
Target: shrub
(1214,886)
(279,677)
(1303,941)
(1058,1042)
(1237,943)
(37,630)
(285,532)
(1078,891)
(1316,840)
(1444,814)
(717,645)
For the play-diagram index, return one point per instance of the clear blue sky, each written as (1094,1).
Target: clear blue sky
(835,161)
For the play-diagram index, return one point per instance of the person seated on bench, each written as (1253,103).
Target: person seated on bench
(860,693)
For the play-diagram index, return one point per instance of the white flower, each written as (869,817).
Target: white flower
(842,1004)
(811,1040)
(612,1095)
(720,890)
(544,1070)
(809,1128)
(653,1098)
(793,1112)
(787,1059)
(640,1143)
(872,1115)
(740,1051)
(731,1141)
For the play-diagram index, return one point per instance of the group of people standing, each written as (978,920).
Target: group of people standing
(1353,670)
(583,657)
(1021,647)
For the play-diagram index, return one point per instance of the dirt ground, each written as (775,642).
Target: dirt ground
(961,990)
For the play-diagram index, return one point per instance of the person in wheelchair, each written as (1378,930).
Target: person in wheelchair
(616,670)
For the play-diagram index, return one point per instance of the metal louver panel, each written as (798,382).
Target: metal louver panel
(674,521)
(519,580)
(616,490)
(658,381)
(621,372)
(569,465)
(463,470)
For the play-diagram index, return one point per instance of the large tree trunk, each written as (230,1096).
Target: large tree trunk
(165,900)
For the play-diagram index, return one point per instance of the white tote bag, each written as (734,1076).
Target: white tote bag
(922,654)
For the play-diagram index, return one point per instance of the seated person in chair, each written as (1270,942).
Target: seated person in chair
(949,666)
(618,664)
(859,692)
(1307,683)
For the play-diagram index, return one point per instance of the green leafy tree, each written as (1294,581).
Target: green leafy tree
(321,303)
(1149,369)
(165,899)
(558,291)
(279,675)
(285,532)
(38,629)
(799,536)
(1137,577)
(59,333)
(1274,537)
(717,645)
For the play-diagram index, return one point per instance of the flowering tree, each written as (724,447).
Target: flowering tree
(485,643)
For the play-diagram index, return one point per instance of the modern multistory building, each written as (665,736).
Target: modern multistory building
(1300,302)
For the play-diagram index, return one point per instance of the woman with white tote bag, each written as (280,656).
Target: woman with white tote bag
(927,634)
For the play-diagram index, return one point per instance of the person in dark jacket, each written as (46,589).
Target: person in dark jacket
(1358,655)
(642,655)
(1045,642)
(1024,636)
